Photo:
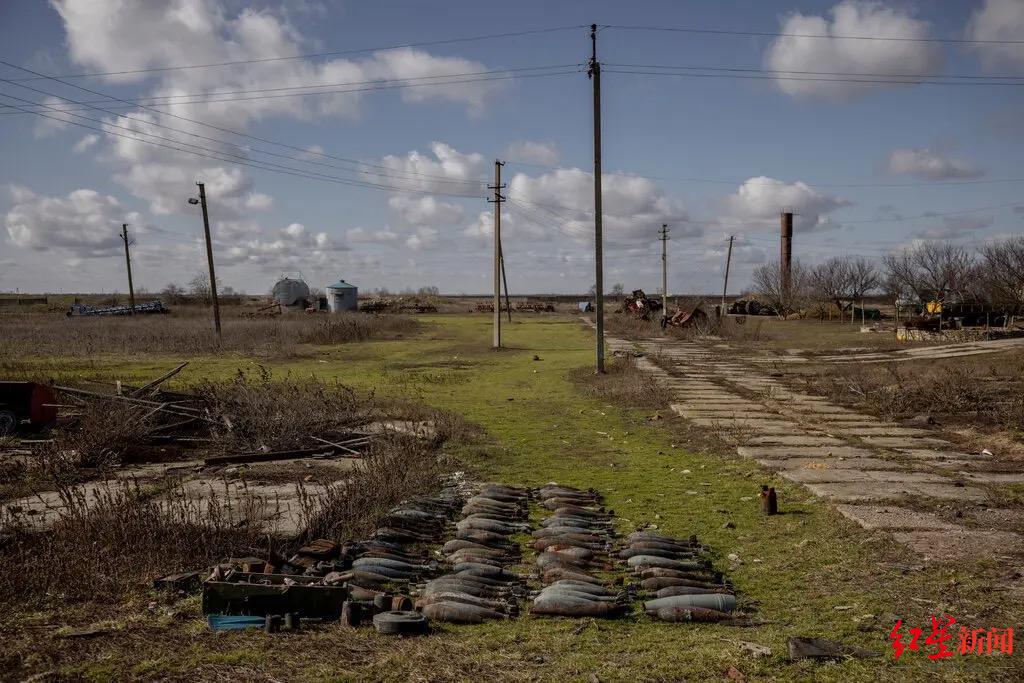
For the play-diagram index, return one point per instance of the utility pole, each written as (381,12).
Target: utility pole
(498,265)
(663,236)
(594,73)
(728,261)
(128,262)
(209,258)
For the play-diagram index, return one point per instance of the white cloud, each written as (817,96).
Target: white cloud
(85,222)
(998,20)
(931,165)
(423,237)
(364,236)
(257,201)
(760,200)
(445,170)
(86,143)
(529,151)
(112,35)
(850,18)
(293,247)
(425,210)
(562,201)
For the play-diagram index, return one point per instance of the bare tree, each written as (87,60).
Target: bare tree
(1001,272)
(767,280)
(199,287)
(618,290)
(429,290)
(930,271)
(844,281)
(173,294)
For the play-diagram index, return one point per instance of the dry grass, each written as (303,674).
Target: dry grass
(622,383)
(189,333)
(110,546)
(988,393)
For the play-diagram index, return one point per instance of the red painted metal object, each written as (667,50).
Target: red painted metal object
(26,404)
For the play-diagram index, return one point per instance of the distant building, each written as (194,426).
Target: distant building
(341,296)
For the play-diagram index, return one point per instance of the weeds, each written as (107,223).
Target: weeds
(622,382)
(186,334)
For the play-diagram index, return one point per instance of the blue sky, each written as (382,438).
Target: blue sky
(869,167)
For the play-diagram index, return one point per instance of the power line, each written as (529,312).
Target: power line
(773,34)
(266,166)
(384,84)
(330,53)
(742,181)
(811,73)
(814,79)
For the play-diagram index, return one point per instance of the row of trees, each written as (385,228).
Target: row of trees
(929,271)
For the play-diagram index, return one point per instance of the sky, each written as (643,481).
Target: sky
(354,140)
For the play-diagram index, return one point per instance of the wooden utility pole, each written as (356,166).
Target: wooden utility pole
(498,265)
(728,261)
(209,259)
(663,236)
(594,73)
(128,263)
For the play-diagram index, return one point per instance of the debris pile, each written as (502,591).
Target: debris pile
(640,305)
(398,304)
(150,307)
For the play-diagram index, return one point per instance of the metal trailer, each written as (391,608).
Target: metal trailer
(26,404)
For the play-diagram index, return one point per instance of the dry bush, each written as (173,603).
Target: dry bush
(623,383)
(629,326)
(954,393)
(118,543)
(280,414)
(30,335)
(395,468)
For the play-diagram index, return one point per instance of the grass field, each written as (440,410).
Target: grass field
(806,572)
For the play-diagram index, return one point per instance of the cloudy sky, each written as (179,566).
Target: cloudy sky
(355,140)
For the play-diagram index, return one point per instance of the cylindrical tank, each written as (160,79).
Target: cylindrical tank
(341,296)
(289,292)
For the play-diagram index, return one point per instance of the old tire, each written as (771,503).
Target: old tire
(8,422)
(400,623)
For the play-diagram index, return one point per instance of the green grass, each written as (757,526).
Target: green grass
(807,572)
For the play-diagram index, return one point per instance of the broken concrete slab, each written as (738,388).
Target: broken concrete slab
(881,430)
(794,440)
(933,454)
(963,544)
(832,463)
(859,492)
(901,442)
(994,477)
(890,517)
(819,476)
(803,452)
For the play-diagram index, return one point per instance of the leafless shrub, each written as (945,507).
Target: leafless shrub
(930,271)
(844,280)
(122,539)
(278,414)
(624,383)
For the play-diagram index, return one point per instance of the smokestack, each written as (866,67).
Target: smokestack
(786,260)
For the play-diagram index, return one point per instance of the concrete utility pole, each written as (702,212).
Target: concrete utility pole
(498,265)
(128,262)
(786,260)
(728,261)
(663,236)
(594,73)
(209,258)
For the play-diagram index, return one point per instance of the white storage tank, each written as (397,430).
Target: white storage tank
(291,292)
(341,296)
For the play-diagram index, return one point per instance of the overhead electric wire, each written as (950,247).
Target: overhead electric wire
(780,34)
(809,73)
(266,166)
(313,55)
(742,181)
(393,84)
(178,116)
(813,79)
